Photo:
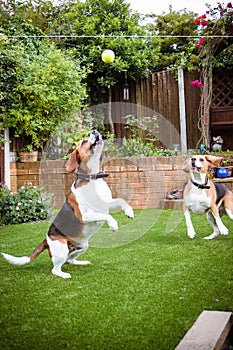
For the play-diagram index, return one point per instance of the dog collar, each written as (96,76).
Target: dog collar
(202,186)
(89,177)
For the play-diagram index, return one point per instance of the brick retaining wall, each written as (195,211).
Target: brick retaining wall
(143,182)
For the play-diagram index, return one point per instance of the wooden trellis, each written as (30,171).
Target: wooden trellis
(221,113)
(222,89)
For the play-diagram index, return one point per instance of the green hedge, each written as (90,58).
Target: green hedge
(30,203)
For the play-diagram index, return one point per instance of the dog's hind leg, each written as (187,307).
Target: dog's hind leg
(229,213)
(59,253)
(228,204)
(212,222)
(75,254)
(222,228)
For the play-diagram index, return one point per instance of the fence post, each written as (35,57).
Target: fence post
(183,133)
(7,158)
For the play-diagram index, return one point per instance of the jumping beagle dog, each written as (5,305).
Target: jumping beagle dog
(201,195)
(83,213)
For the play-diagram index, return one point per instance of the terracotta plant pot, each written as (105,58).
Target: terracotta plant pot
(25,157)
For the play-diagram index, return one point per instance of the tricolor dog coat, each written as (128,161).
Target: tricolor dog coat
(86,209)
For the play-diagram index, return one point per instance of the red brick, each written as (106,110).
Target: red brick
(142,181)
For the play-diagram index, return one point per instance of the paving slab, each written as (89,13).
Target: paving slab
(209,332)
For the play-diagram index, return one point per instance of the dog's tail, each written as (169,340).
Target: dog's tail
(23,260)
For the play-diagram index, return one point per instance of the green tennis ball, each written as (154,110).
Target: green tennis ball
(108,56)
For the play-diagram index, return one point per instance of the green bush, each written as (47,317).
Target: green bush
(143,140)
(30,203)
(138,148)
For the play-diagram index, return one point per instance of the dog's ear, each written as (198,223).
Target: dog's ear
(213,160)
(72,162)
(186,166)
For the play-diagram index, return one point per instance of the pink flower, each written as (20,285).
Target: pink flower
(196,83)
(199,47)
(148,119)
(202,41)
(204,23)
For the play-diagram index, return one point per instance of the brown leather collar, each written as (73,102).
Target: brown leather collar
(202,186)
(89,177)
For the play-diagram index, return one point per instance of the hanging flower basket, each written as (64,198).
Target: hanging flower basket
(25,157)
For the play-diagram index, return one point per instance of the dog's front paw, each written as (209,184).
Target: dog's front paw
(224,231)
(191,234)
(129,212)
(222,228)
(112,223)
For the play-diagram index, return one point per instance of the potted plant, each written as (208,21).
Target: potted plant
(27,154)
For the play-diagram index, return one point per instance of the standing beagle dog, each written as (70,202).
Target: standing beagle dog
(202,195)
(84,212)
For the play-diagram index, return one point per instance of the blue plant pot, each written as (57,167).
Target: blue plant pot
(222,172)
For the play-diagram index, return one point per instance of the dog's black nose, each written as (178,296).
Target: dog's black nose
(95,132)
(193,160)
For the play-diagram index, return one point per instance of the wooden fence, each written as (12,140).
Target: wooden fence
(159,94)
(1,163)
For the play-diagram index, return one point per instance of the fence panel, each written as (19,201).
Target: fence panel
(159,94)
(1,162)
(192,102)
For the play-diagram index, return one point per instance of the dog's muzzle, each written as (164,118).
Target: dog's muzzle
(193,161)
(95,137)
(193,165)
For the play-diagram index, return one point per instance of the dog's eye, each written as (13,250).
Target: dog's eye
(202,160)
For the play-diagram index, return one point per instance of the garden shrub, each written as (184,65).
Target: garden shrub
(138,148)
(143,140)
(30,203)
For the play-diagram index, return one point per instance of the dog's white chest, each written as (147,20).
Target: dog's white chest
(93,198)
(197,201)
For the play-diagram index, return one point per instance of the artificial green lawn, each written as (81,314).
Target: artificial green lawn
(141,295)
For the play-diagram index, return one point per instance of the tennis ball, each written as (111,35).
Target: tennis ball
(108,56)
